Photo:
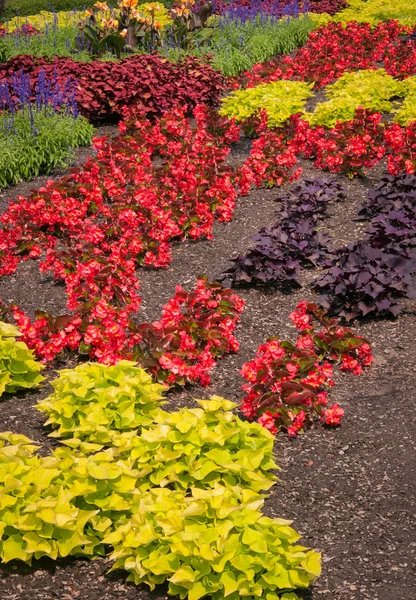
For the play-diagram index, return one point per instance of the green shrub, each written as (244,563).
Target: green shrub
(18,368)
(280,100)
(93,399)
(372,90)
(36,141)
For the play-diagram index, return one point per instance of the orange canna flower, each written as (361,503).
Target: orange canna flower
(101,5)
(128,3)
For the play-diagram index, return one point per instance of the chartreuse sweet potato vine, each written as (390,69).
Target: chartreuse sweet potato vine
(371,90)
(212,543)
(374,11)
(179,501)
(18,368)
(279,99)
(93,399)
(407,112)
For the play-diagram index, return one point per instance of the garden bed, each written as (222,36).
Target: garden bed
(350,491)
(288,175)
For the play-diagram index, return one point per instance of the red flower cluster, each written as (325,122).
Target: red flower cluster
(400,56)
(333,50)
(288,383)
(105,88)
(348,148)
(196,328)
(272,159)
(402,144)
(93,228)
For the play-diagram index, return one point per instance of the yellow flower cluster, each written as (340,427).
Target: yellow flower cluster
(62,19)
(160,14)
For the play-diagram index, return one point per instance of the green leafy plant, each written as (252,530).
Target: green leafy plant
(36,141)
(212,543)
(374,11)
(38,516)
(372,90)
(406,114)
(280,100)
(180,502)
(196,447)
(18,368)
(93,399)
(103,39)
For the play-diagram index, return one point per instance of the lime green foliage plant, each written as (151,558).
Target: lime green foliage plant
(211,543)
(36,141)
(38,512)
(93,399)
(374,11)
(198,447)
(406,114)
(44,18)
(372,90)
(18,368)
(280,100)
(179,501)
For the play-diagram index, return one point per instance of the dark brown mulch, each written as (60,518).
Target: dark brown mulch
(350,491)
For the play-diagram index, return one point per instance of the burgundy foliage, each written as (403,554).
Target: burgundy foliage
(104,88)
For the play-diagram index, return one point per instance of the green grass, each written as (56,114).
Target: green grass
(25,153)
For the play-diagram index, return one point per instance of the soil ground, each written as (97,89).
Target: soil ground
(350,491)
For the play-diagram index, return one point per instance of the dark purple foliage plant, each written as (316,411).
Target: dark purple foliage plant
(371,276)
(282,251)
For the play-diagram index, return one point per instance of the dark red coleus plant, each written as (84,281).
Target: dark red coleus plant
(105,88)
